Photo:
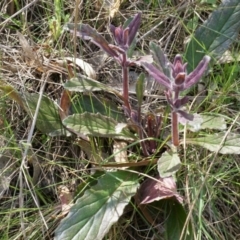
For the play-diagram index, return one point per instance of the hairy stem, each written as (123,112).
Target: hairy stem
(175,135)
(175,131)
(125,79)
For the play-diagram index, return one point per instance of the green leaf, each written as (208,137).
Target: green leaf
(231,145)
(213,2)
(97,125)
(206,121)
(216,34)
(91,104)
(168,164)
(140,88)
(175,220)
(99,208)
(87,184)
(48,119)
(160,59)
(85,84)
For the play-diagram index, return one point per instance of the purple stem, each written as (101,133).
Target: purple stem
(175,131)
(125,82)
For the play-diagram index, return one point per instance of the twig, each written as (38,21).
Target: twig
(23,166)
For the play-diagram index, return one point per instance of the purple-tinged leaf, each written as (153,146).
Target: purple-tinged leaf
(157,75)
(180,102)
(197,73)
(117,49)
(88,33)
(185,115)
(118,34)
(195,123)
(133,43)
(156,189)
(133,28)
(125,36)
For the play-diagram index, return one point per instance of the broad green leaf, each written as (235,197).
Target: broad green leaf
(231,145)
(212,2)
(168,164)
(48,119)
(140,88)
(95,124)
(175,221)
(92,104)
(99,208)
(85,84)
(206,121)
(216,34)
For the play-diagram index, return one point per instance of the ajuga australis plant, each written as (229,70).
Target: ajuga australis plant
(175,79)
(124,38)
